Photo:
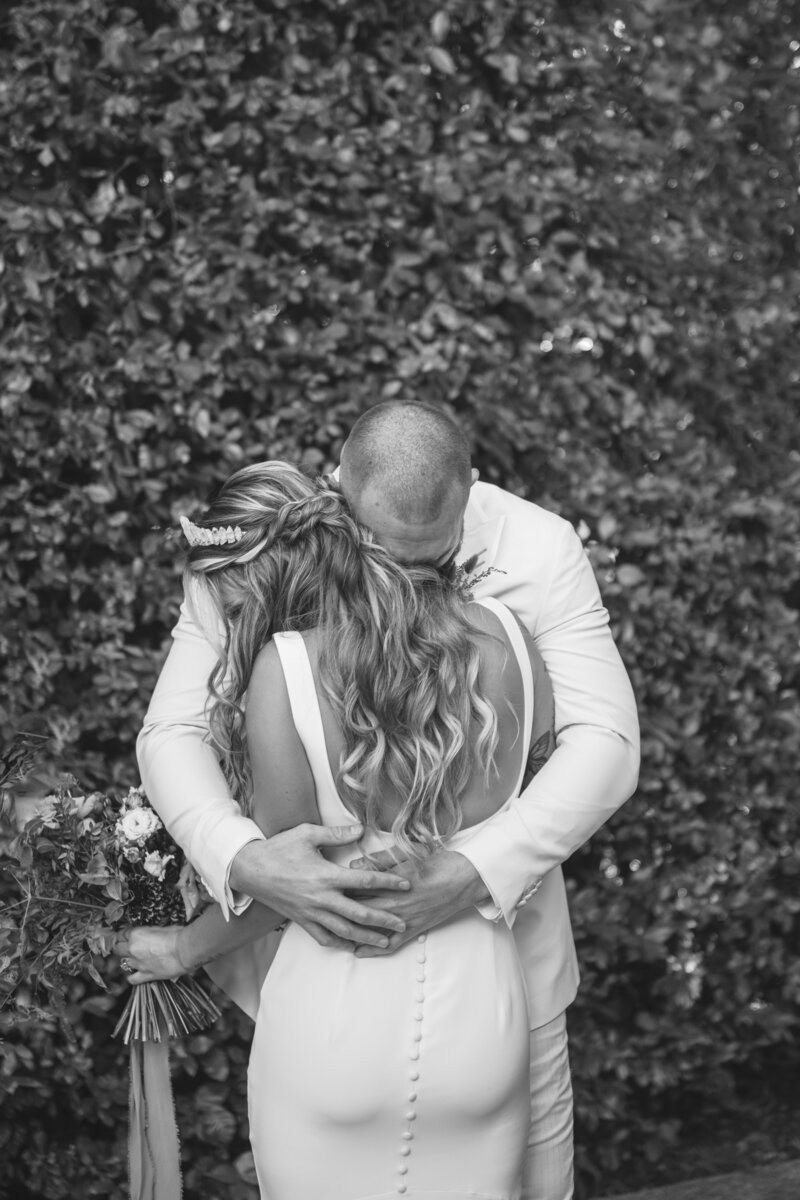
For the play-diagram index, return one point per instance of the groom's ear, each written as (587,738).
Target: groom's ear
(475,476)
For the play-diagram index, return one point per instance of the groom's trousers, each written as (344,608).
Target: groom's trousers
(548,1171)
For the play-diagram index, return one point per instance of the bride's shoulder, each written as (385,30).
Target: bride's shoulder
(500,670)
(486,618)
(266,666)
(494,642)
(500,647)
(482,617)
(268,662)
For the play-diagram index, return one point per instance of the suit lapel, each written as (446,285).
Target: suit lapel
(481,537)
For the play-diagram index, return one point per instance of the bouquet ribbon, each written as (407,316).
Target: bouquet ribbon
(153,1151)
(154,1013)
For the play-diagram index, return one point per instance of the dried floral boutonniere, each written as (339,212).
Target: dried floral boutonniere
(465,579)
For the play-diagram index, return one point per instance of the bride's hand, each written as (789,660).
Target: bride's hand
(381,860)
(150,952)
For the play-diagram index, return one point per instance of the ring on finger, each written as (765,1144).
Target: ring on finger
(127,966)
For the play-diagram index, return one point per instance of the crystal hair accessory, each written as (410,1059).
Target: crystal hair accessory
(219,535)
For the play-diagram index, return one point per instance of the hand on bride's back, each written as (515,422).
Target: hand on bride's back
(442,885)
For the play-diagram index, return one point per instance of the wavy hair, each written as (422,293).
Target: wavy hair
(399,657)
(272,579)
(400,664)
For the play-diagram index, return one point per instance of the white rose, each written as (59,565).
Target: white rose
(138,824)
(156,864)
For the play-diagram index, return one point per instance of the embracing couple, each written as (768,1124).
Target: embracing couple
(362,673)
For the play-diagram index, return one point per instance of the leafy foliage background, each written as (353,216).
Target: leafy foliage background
(227,228)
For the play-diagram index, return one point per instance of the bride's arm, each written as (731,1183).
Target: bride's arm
(283,796)
(173,950)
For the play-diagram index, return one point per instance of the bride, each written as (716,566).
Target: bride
(382,693)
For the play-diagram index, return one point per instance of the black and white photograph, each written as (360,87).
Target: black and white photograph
(399,600)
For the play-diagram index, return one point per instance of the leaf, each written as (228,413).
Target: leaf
(100,493)
(440,25)
(114,912)
(629,575)
(19,758)
(114,888)
(99,1005)
(245,1168)
(94,974)
(647,347)
(442,60)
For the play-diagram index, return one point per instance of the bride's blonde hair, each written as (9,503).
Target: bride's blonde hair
(399,657)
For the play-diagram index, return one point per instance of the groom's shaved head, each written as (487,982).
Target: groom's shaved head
(413,454)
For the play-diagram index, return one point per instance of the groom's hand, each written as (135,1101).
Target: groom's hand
(442,886)
(289,874)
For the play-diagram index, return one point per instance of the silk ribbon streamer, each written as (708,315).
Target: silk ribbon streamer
(153,1150)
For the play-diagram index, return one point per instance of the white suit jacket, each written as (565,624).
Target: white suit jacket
(542,573)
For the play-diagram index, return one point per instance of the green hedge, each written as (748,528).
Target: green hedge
(227,228)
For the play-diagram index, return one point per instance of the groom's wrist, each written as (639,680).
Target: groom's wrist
(246,868)
(468,885)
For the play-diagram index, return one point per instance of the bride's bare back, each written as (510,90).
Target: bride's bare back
(501,686)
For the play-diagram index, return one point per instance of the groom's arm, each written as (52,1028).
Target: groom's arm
(594,767)
(180,770)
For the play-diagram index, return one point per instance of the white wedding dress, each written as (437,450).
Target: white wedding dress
(404,1076)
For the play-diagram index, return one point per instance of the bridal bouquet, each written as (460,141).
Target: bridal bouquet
(86,866)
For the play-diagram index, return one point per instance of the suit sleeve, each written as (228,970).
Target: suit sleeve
(179,767)
(594,767)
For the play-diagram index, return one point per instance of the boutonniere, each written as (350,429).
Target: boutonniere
(467,577)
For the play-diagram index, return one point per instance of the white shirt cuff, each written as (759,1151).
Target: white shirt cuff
(231,901)
(500,853)
(492,910)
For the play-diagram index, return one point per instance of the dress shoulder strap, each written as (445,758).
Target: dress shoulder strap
(299,683)
(307,719)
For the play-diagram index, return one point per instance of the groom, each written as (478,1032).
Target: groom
(403,471)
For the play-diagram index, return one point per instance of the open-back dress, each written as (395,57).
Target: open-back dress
(398,1076)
